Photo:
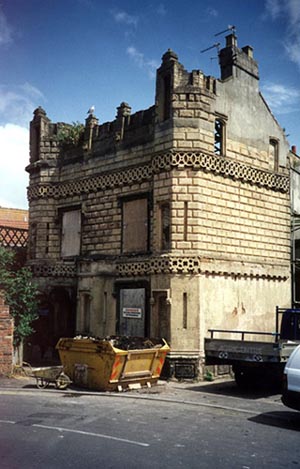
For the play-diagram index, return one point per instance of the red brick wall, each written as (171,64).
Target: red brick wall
(6,339)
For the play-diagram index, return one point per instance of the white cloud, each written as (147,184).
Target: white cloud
(281,99)
(273,8)
(289,11)
(18,102)
(5,29)
(121,16)
(14,151)
(212,12)
(139,58)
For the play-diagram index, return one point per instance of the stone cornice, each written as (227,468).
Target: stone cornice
(195,265)
(197,161)
(172,265)
(58,269)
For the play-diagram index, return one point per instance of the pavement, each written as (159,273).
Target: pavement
(221,393)
(163,389)
(163,386)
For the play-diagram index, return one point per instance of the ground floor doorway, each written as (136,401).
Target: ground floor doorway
(132,309)
(56,319)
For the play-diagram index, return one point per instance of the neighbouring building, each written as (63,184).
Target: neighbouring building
(14,231)
(168,221)
(13,235)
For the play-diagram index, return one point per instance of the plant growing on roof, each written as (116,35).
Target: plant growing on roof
(70,134)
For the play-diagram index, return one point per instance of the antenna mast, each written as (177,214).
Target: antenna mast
(229,28)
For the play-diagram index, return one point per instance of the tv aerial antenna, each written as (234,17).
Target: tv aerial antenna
(216,45)
(229,28)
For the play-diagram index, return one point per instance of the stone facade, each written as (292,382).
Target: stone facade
(6,339)
(169,221)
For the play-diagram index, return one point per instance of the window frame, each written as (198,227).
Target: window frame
(62,211)
(131,198)
(162,246)
(222,120)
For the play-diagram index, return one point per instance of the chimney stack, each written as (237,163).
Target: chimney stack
(232,58)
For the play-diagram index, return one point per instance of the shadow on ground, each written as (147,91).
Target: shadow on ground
(229,388)
(288,420)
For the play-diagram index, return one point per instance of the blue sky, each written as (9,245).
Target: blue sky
(66,55)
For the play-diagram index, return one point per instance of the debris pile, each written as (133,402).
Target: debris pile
(126,342)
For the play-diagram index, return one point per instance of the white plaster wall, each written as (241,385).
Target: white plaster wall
(240,304)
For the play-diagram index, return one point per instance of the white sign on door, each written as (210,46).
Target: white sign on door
(132,313)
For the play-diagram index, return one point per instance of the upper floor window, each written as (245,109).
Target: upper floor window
(71,233)
(165,226)
(274,153)
(135,227)
(219,137)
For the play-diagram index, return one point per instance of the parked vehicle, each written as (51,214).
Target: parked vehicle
(255,361)
(291,382)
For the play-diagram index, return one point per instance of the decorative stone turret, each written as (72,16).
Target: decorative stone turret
(123,116)
(90,123)
(38,129)
(165,82)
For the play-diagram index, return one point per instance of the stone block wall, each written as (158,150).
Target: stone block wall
(6,339)
(227,259)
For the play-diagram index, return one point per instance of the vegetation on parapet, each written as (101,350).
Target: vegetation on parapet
(70,134)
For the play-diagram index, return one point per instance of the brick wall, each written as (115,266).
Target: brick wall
(6,339)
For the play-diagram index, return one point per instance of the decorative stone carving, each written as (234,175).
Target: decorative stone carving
(164,162)
(188,265)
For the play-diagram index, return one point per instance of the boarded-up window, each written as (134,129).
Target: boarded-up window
(71,233)
(135,225)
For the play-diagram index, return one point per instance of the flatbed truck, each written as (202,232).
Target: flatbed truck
(257,361)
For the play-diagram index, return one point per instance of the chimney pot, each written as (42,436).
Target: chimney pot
(231,40)
(294,149)
(248,50)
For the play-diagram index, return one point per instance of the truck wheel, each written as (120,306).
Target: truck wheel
(243,379)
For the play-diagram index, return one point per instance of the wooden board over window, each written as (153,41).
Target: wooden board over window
(71,233)
(135,225)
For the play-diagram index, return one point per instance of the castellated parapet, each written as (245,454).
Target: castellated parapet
(167,221)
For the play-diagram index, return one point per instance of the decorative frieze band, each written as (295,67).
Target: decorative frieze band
(192,266)
(164,265)
(54,270)
(163,162)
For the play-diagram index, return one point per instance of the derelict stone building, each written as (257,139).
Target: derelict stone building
(168,221)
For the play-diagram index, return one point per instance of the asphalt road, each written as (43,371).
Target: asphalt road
(172,426)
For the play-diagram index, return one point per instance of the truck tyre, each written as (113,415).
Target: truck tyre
(243,379)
